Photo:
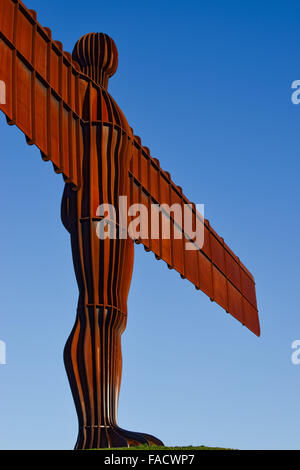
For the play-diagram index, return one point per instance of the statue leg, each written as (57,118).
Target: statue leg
(92,354)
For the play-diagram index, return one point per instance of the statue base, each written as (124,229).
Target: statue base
(112,436)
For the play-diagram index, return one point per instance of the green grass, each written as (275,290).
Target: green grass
(145,447)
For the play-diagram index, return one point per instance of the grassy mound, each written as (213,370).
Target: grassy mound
(145,447)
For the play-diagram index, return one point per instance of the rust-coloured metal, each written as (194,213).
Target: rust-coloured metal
(214,268)
(103,267)
(61,104)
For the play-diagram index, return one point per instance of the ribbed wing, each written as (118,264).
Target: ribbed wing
(44,98)
(42,88)
(213,268)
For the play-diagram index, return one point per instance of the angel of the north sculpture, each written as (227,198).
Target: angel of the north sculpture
(61,103)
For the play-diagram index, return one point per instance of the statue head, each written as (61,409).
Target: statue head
(97,56)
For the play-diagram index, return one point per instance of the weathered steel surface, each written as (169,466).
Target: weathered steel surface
(42,89)
(214,268)
(46,99)
(103,268)
(61,103)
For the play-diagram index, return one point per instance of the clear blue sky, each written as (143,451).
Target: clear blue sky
(207,87)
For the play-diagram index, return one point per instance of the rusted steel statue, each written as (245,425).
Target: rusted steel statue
(62,105)
(103,267)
